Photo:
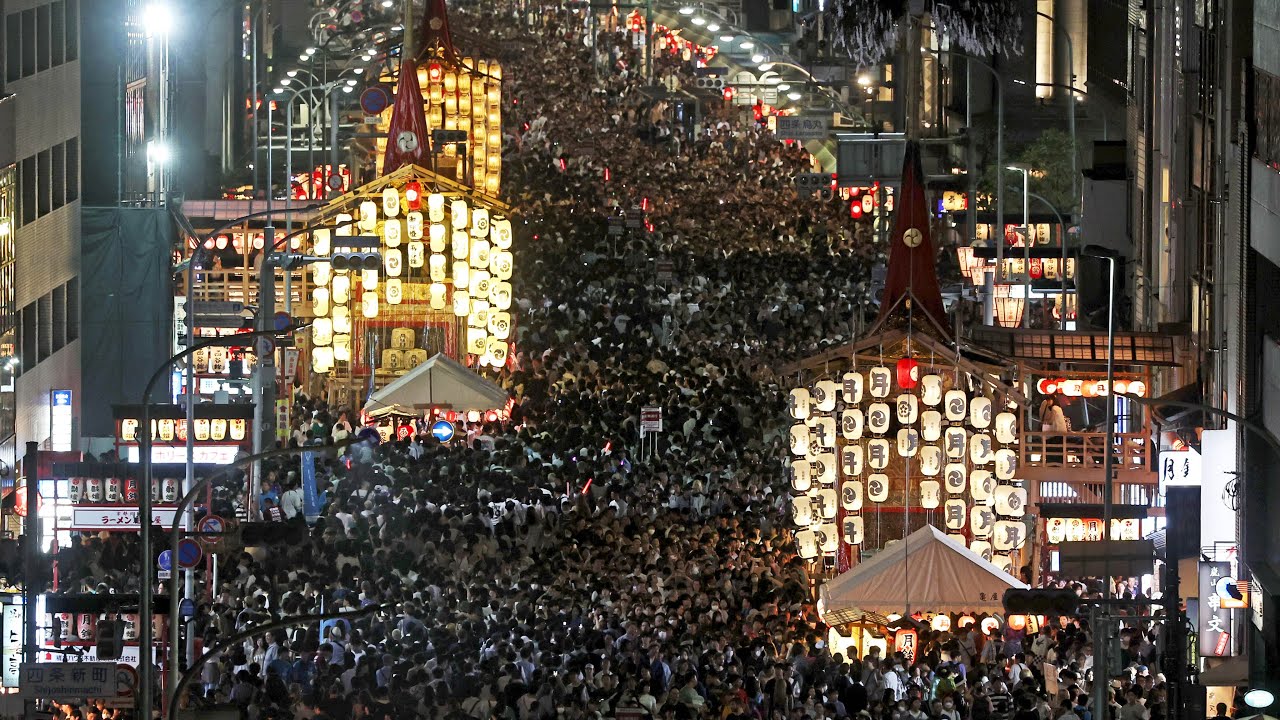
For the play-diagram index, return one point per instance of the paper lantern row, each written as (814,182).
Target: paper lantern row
(878,384)
(854,421)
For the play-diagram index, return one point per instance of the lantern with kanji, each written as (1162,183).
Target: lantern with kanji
(908,373)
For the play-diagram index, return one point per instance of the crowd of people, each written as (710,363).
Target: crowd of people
(544,568)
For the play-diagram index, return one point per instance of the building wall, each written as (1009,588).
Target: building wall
(41,68)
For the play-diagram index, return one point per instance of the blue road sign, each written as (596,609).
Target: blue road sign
(186,608)
(189,553)
(283,321)
(166,560)
(442,430)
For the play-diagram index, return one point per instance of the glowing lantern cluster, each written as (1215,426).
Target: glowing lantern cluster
(911,432)
(438,253)
(467,96)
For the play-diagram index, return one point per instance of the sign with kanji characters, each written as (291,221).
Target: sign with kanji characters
(1215,620)
(108,517)
(68,681)
(1180,468)
(11,625)
(803,127)
(650,419)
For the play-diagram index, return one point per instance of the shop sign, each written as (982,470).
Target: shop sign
(1215,618)
(803,127)
(1060,530)
(1256,607)
(200,454)
(11,644)
(1179,468)
(110,517)
(650,419)
(60,420)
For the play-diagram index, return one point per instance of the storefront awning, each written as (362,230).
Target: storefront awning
(438,382)
(1089,348)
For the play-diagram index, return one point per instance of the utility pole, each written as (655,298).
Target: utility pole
(31,551)
(264,375)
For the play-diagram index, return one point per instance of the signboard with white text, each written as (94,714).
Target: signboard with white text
(201,454)
(68,681)
(803,127)
(111,517)
(1180,468)
(11,644)
(61,421)
(1215,620)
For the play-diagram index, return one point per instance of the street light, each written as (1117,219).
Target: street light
(1025,169)
(157,20)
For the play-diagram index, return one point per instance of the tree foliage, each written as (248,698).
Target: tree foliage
(1049,156)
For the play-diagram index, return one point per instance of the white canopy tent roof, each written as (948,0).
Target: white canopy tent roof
(440,381)
(931,573)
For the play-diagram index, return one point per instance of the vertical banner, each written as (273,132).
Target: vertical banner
(283,429)
(1215,620)
(310,494)
(11,645)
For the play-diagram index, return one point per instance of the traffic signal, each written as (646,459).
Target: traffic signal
(345,259)
(808,184)
(448,137)
(107,644)
(709,83)
(257,534)
(1041,602)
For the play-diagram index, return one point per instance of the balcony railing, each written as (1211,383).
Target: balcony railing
(1083,450)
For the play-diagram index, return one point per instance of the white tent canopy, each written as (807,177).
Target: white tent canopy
(440,381)
(927,571)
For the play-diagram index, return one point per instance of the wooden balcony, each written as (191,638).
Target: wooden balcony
(241,285)
(1069,468)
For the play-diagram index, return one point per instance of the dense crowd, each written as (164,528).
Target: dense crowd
(544,568)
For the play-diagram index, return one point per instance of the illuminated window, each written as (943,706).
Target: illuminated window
(1044,49)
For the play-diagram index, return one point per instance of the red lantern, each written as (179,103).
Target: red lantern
(905,642)
(435,73)
(413,194)
(855,210)
(1037,268)
(1017,622)
(20,501)
(908,373)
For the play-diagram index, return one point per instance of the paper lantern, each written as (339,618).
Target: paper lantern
(342,348)
(826,505)
(369,303)
(908,371)
(851,460)
(824,468)
(395,291)
(930,425)
(461,243)
(1010,501)
(851,424)
(930,460)
(953,514)
(906,641)
(851,388)
(438,268)
(825,426)
(980,449)
(393,260)
(369,279)
(480,223)
(1006,427)
(941,623)
(500,324)
(461,274)
(500,263)
(320,301)
(854,530)
(955,405)
(435,207)
(878,488)
(1008,536)
(878,454)
(368,216)
(500,295)
(801,475)
(321,331)
(851,495)
(341,319)
(965,621)
(981,548)
(476,341)
(480,284)
(980,412)
(828,538)
(322,359)
(391,233)
(479,253)
(931,390)
(801,511)
(342,224)
(930,494)
(1006,464)
(799,437)
(990,626)
(437,295)
(1002,561)
(824,395)
(458,214)
(413,224)
(498,351)
(880,382)
(461,303)
(500,233)
(908,409)
(390,201)
(798,403)
(878,418)
(438,237)
(1017,623)
(956,478)
(320,241)
(321,273)
(955,440)
(908,442)
(980,485)
(807,544)
(416,254)
(981,521)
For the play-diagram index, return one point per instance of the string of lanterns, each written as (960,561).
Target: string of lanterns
(855,440)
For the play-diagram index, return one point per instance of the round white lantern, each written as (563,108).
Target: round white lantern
(930,494)
(320,241)
(341,319)
(369,303)
(438,237)
(878,416)
(851,387)
(851,495)
(851,424)
(801,475)
(458,214)
(342,347)
(368,216)
(980,412)
(930,460)
(931,425)
(395,291)
(391,233)
(880,381)
(435,207)
(955,404)
(413,224)
(320,301)
(878,488)
(438,295)
(798,403)
(851,460)
(390,201)
(1006,428)
(956,478)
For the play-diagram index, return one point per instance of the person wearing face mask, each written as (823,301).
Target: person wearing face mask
(948,711)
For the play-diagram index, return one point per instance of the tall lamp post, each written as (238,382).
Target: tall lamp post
(1071,105)
(1025,169)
